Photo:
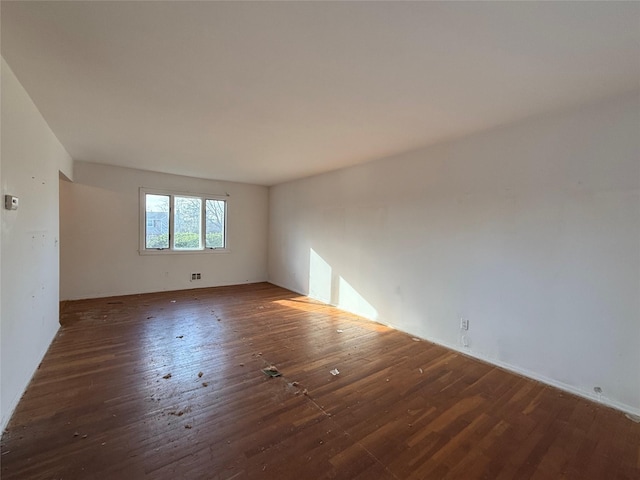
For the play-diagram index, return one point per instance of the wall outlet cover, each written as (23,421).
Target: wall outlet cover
(10,202)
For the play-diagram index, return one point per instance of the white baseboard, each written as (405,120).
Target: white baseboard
(591,396)
(541,378)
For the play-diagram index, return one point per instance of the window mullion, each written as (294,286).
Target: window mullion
(203,223)
(171,221)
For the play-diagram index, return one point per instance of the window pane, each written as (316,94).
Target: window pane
(216,210)
(157,221)
(187,223)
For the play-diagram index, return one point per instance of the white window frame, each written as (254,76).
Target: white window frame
(142,250)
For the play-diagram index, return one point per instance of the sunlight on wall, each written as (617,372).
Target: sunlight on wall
(339,292)
(319,278)
(352,301)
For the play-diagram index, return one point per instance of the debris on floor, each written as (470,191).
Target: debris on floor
(75,434)
(420,370)
(84,436)
(242,364)
(200,374)
(205,384)
(167,376)
(150,317)
(180,336)
(339,331)
(173,301)
(334,372)
(271,371)
(387,379)
(305,392)
(633,418)
(415,339)
(295,384)
(177,414)
(188,426)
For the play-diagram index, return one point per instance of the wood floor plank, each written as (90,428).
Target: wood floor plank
(169,385)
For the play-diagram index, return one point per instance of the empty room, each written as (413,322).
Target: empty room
(320,239)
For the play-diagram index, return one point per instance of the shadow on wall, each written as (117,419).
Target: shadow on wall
(329,287)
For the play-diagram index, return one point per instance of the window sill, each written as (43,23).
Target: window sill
(168,251)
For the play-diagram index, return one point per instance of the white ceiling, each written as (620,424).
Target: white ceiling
(264,92)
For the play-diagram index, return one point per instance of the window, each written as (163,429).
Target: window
(174,222)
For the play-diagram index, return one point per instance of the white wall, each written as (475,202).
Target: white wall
(100,235)
(531,231)
(31,160)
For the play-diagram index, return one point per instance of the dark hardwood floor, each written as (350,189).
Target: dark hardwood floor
(169,386)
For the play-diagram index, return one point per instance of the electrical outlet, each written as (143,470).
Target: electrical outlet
(464,324)
(196,276)
(10,202)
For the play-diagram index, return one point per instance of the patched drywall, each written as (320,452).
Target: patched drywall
(32,158)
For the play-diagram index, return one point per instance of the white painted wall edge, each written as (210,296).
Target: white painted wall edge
(16,399)
(33,161)
(506,366)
